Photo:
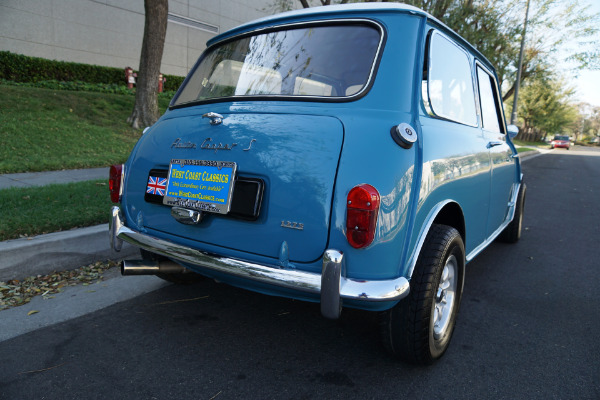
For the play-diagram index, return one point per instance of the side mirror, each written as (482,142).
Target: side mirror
(513,131)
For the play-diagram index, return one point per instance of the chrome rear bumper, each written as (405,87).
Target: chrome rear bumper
(330,284)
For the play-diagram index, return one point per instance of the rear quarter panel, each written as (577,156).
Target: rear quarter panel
(371,156)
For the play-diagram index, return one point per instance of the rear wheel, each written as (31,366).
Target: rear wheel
(185,278)
(418,329)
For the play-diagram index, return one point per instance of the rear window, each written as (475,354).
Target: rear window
(320,61)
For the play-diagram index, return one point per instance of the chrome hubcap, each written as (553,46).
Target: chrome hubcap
(445,298)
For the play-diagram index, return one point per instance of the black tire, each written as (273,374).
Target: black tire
(512,232)
(186,278)
(411,330)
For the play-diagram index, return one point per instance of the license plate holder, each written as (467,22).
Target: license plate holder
(201,185)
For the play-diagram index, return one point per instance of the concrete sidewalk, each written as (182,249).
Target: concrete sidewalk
(57,251)
(29,179)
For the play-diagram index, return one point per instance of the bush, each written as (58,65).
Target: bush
(20,68)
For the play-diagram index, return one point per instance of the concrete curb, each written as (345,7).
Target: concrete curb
(57,251)
(528,154)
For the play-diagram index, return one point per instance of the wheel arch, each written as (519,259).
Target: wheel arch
(452,215)
(447,212)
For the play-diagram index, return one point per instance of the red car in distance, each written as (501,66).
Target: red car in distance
(561,141)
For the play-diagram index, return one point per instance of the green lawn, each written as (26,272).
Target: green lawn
(44,129)
(524,149)
(37,210)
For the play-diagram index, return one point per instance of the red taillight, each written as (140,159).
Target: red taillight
(362,208)
(114,182)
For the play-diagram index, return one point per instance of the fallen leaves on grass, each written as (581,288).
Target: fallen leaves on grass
(18,292)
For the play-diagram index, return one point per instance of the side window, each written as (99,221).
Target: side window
(489,101)
(449,87)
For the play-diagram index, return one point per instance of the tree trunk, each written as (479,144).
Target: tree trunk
(145,111)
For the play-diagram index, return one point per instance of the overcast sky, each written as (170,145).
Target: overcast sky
(588,87)
(588,82)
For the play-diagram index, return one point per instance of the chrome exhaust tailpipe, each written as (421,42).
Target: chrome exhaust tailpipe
(151,267)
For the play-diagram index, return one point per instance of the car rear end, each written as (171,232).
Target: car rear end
(237,181)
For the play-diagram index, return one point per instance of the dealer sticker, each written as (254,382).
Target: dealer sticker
(201,185)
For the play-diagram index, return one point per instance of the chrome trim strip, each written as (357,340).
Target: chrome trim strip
(428,222)
(383,290)
(494,235)
(435,211)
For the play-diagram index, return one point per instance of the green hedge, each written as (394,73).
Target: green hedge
(79,86)
(20,68)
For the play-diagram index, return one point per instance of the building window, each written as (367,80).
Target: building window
(192,23)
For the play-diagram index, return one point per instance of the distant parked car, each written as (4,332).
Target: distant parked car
(561,142)
(354,155)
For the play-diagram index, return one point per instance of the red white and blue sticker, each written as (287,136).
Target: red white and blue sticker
(156,185)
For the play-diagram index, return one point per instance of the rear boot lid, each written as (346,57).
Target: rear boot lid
(294,157)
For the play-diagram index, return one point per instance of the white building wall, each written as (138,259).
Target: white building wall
(109,32)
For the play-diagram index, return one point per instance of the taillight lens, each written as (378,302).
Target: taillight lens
(362,208)
(115,179)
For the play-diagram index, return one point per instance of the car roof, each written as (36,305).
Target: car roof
(340,11)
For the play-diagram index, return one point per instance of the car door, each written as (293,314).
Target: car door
(502,163)
(455,154)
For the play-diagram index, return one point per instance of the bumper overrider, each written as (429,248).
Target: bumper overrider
(330,284)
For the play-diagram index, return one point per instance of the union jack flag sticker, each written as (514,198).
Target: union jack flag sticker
(156,185)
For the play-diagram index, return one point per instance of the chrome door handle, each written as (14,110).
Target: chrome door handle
(494,144)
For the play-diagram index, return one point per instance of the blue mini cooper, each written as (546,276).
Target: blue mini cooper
(355,156)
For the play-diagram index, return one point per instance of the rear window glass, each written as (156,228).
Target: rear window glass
(320,61)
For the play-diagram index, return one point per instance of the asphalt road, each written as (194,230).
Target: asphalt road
(528,327)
